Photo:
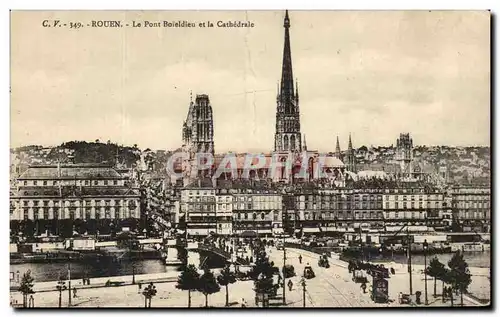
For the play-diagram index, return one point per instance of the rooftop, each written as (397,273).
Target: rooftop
(74,171)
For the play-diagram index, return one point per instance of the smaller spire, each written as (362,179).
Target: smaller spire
(350,143)
(337,148)
(191,96)
(305,144)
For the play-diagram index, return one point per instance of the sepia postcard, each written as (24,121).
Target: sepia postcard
(243,159)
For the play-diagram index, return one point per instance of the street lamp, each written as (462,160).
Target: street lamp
(283,271)
(303,284)
(425,270)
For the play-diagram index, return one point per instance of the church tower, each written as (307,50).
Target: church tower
(287,137)
(350,157)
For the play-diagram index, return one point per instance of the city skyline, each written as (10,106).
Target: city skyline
(404,75)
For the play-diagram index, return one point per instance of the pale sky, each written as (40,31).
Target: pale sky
(374,74)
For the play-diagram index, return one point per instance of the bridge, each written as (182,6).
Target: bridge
(196,246)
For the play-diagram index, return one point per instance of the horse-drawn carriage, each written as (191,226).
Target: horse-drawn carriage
(308,272)
(323,261)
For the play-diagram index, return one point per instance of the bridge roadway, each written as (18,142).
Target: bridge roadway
(196,246)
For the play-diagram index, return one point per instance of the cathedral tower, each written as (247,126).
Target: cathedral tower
(287,136)
(198,129)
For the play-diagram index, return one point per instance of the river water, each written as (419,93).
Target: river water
(43,272)
(474,259)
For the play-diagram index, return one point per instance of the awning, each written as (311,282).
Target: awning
(278,230)
(249,234)
(264,231)
(331,229)
(311,230)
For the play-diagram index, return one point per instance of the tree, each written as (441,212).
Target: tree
(188,280)
(224,279)
(207,284)
(26,287)
(460,275)
(436,270)
(149,292)
(262,274)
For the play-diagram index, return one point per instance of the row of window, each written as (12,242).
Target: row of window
(46,215)
(413,205)
(472,205)
(201,199)
(76,203)
(70,182)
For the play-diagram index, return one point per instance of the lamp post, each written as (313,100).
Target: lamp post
(133,273)
(425,270)
(69,281)
(303,284)
(283,271)
(409,258)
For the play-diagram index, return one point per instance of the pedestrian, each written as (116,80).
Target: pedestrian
(83,280)
(290,285)
(243,303)
(74,292)
(88,280)
(300,258)
(400,297)
(363,287)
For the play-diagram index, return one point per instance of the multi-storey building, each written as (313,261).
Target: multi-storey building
(224,212)
(257,210)
(339,210)
(414,206)
(471,208)
(198,206)
(62,199)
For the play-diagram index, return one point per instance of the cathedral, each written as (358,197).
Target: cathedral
(290,162)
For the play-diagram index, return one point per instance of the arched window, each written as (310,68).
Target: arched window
(254,216)
(262,216)
(285,142)
(292,142)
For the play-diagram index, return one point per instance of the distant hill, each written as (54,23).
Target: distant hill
(463,163)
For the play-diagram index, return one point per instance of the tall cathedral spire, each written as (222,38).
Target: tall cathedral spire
(287,136)
(287,72)
(349,147)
